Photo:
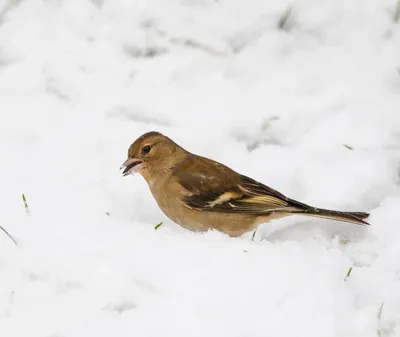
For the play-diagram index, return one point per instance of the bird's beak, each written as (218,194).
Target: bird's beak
(131,166)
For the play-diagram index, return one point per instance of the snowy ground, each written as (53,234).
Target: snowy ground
(80,80)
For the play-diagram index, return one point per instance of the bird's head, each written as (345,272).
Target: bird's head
(150,153)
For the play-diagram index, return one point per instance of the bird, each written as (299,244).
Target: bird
(201,194)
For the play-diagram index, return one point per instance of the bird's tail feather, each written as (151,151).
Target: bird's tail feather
(353,217)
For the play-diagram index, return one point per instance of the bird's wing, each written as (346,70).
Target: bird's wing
(217,188)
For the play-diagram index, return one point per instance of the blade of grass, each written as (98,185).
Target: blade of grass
(283,23)
(254,235)
(348,273)
(396,15)
(25,204)
(348,147)
(379,319)
(9,235)
(158,226)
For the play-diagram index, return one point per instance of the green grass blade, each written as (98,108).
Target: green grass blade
(25,204)
(348,273)
(158,226)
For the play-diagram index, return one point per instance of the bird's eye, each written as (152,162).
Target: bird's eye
(146,149)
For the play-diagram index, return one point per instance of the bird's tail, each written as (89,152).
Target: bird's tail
(353,217)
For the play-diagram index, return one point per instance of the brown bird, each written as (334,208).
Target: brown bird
(201,194)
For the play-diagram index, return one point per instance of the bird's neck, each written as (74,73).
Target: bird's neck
(156,177)
(158,174)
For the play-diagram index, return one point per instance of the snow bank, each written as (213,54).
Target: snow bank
(302,95)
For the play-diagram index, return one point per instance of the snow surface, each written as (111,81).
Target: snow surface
(80,80)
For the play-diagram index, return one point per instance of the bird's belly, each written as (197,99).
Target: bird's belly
(233,224)
(200,221)
(228,223)
(183,216)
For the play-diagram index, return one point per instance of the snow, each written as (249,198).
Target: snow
(81,80)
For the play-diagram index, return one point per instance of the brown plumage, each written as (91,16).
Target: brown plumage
(200,194)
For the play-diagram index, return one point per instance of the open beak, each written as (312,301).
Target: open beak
(131,166)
